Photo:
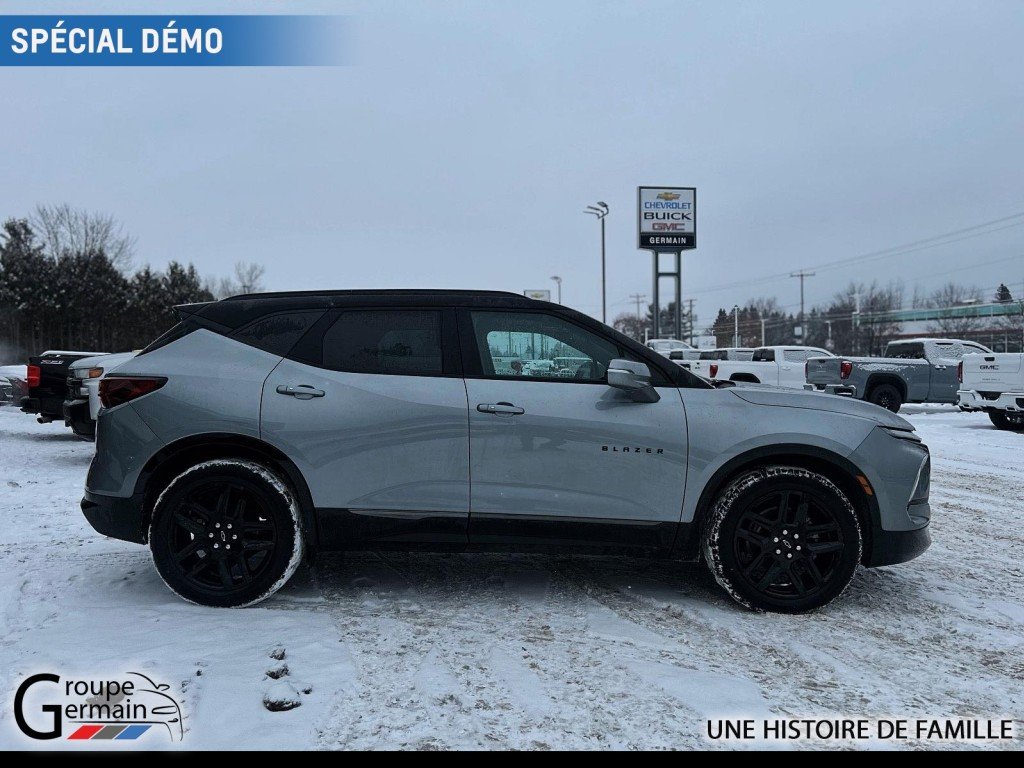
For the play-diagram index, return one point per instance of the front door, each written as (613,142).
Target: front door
(557,456)
(374,416)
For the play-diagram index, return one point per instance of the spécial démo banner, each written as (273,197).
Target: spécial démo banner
(224,40)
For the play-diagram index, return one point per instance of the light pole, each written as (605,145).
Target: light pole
(558,282)
(600,210)
(736,325)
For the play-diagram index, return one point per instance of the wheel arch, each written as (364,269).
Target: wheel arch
(746,378)
(877,379)
(835,467)
(176,457)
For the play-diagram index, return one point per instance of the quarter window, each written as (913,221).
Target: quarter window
(400,342)
(277,333)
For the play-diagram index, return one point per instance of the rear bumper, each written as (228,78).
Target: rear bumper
(77,416)
(119,518)
(971,400)
(845,390)
(30,404)
(891,547)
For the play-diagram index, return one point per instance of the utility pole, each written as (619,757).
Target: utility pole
(736,325)
(638,297)
(600,210)
(855,319)
(762,330)
(801,274)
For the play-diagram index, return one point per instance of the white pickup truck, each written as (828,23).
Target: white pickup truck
(994,383)
(781,366)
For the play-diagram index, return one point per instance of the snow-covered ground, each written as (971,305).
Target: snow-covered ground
(493,651)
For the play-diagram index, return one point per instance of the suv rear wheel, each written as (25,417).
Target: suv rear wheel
(783,539)
(226,533)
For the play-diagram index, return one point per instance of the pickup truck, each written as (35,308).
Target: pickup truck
(780,366)
(911,371)
(47,376)
(994,384)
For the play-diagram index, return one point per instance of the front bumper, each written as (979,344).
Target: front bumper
(972,400)
(119,518)
(77,416)
(891,547)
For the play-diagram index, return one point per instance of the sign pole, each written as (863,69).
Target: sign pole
(679,295)
(656,324)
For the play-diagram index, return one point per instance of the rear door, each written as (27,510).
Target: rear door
(559,456)
(371,407)
(943,358)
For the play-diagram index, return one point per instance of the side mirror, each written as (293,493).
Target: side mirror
(634,379)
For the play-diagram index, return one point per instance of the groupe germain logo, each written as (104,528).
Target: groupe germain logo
(86,709)
(632,449)
(668,195)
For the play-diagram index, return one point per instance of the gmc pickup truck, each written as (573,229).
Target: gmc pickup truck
(994,384)
(911,371)
(781,366)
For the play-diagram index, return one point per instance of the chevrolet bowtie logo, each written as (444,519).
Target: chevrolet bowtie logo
(668,195)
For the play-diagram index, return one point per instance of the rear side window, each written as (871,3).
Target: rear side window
(795,355)
(277,333)
(402,342)
(714,354)
(908,351)
(764,356)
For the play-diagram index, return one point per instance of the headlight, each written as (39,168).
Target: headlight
(95,373)
(924,481)
(902,434)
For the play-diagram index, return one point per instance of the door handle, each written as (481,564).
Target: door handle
(300,392)
(500,408)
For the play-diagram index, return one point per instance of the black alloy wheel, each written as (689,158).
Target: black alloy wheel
(783,539)
(225,533)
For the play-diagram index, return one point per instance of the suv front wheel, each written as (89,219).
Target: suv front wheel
(226,533)
(783,539)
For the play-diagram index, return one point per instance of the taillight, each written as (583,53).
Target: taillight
(845,369)
(32,379)
(116,390)
(713,370)
(960,371)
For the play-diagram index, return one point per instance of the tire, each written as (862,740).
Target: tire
(886,396)
(226,502)
(759,536)
(1003,420)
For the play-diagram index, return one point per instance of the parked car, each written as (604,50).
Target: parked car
(673,349)
(994,384)
(47,379)
(83,400)
(911,371)
(781,366)
(265,426)
(12,379)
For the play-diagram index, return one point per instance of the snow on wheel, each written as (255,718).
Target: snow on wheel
(226,533)
(783,539)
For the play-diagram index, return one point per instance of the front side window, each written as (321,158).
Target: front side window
(540,346)
(391,341)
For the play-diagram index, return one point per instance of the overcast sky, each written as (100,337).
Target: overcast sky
(461,146)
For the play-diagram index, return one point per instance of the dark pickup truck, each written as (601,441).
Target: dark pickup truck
(48,383)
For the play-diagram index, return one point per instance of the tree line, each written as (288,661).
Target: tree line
(67,282)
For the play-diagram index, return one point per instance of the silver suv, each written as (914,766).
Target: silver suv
(262,428)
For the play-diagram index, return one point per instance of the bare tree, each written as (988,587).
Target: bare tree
(955,295)
(249,277)
(65,230)
(221,287)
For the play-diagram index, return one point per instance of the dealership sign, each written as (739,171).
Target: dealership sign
(667,218)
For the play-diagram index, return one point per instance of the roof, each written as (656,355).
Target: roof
(383,292)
